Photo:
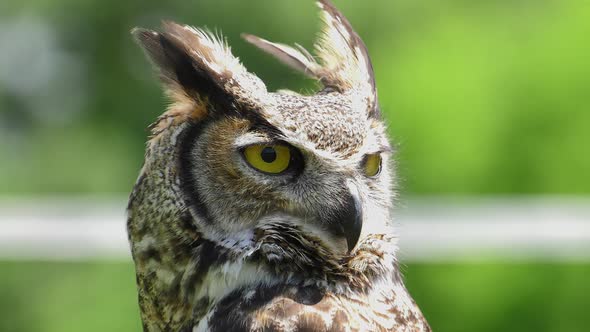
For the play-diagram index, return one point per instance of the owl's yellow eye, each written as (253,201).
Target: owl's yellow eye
(372,164)
(272,159)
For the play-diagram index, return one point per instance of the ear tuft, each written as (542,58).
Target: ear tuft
(198,70)
(344,63)
(298,59)
(344,55)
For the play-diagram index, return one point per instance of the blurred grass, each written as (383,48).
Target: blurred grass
(61,297)
(101,296)
(502,296)
(483,97)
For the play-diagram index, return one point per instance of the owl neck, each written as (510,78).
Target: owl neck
(282,255)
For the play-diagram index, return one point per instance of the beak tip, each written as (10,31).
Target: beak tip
(354,224)
(352,235)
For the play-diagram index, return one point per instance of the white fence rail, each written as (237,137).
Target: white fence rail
(546,228)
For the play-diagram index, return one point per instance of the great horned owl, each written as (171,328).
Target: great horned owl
(266,211)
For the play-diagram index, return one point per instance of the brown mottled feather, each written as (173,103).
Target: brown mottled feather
(219,246)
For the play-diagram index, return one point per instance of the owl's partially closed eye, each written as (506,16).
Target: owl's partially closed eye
(259,210)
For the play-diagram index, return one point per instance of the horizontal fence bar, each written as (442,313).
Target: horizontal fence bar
(429,229)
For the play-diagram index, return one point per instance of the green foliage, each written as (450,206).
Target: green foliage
(480,96)
(101,296)
(64,297)
(502,296)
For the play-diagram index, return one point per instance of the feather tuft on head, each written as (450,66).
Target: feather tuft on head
(199,73)
(343,61)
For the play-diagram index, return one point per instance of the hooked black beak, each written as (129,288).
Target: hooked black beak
(348,220)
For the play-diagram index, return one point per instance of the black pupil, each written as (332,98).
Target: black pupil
(268,154)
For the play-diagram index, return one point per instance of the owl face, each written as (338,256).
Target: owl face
(301,156)
(248,158)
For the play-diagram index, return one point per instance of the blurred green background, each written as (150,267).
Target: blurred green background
(481,97)
(483,297)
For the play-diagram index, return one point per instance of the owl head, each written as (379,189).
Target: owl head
(244,158)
